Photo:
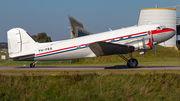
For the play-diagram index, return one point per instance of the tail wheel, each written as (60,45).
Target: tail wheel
(132,63)
(32,65)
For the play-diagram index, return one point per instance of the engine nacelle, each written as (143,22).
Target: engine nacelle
(142,45)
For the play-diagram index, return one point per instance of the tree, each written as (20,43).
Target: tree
(41,38)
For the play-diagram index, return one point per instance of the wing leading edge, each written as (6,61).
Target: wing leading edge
(103,48)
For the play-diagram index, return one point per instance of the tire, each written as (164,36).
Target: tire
(134,65)
(32,65)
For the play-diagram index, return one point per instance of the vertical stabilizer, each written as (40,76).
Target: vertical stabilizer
(19,41)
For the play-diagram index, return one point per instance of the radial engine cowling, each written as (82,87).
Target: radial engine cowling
(142,45)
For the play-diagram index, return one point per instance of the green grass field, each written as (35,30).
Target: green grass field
(99,85)
(91,87)
(165,57)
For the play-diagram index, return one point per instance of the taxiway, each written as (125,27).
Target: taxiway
(121,67)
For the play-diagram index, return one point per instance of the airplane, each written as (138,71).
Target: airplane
(141,38)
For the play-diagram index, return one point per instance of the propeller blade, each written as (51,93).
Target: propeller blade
(154,49)
(153,43)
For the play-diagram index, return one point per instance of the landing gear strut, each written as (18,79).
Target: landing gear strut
(131,63)
(32,65)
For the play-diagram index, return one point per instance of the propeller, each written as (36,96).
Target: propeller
(153,43)
(154,49)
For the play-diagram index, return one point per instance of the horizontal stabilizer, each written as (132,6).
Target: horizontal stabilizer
(29,57)
(103,48)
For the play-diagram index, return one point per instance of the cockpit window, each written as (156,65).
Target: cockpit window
(160,27)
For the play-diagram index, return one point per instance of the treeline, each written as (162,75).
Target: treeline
(3,45)
(42,37)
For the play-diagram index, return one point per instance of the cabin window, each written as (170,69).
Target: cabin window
(78,47)
(112,40)
(129,36)
(86,45)
(121,38)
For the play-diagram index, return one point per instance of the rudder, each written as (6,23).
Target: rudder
(19,41)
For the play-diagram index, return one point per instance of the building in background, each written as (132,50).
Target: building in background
(165,16)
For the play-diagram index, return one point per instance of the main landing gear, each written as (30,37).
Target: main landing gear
(131,63)
(32,65)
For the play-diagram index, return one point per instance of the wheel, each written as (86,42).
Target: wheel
(132,64)
(32,65)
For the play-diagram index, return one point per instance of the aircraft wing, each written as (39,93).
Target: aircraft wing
(103,48)
(77,29)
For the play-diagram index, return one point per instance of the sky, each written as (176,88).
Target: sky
(51,16)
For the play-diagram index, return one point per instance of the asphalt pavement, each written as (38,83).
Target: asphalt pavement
(119,67)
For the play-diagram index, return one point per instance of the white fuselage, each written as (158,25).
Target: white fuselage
(78,47)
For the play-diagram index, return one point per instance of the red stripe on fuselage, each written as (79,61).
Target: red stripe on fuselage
(162,31)
(55,50)
(153,32)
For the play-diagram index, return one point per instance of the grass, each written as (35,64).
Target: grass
(95,84)
(91,86)
(165,57)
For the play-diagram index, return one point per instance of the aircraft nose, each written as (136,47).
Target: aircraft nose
(170,33)
(164,35)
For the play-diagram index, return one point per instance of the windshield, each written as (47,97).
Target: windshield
(161,27)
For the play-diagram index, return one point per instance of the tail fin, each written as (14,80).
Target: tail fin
(19,41)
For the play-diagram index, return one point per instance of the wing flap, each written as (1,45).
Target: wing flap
(103,48)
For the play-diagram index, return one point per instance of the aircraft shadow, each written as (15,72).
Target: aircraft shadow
(117,67)
(138,67)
